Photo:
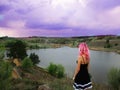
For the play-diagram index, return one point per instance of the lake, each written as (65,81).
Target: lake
(100,64)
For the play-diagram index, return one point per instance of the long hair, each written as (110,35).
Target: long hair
(84,50)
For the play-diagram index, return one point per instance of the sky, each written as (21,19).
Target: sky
(59,18)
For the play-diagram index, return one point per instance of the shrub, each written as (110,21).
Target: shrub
(34,58)
(27,63)
(52,69)
(1,54)
(114,78)
(56,70)
(107,45)
(116,44)
(60,71)
(5,75)
(107,41)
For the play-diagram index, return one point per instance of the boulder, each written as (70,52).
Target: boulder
(44,87)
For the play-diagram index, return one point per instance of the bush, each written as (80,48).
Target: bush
(108,45)
(27,63)
(56,70)
(116,44)
(5,75)
(114,78)
(52,69)
(60,71)
(34,58)
(1,54)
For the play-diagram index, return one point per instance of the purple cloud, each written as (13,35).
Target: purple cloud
(57,26)
(4,8)
(104,4)
(60,17)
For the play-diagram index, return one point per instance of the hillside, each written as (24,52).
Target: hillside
(111,44)
(35,78)
(39,79)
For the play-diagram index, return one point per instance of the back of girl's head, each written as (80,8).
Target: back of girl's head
(83,49)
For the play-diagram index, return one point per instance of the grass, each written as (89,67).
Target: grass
(39,76)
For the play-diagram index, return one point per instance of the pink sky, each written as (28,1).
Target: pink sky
(59,18)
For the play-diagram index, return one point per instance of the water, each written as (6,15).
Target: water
(100,64)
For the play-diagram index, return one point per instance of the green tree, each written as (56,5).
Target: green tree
(17,49)
(34,58)
(107,44)
(5,75)
(107,41)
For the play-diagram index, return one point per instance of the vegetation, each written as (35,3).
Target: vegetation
(38,76)
(62,84)
(27,63)
(5,75)
(56,70)
(16,49)
(107,44)
(1,54)
(114,78)
(103,42)
(34,58)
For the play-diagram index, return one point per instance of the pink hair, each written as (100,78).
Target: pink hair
(84,50)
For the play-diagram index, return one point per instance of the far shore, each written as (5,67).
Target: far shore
(91,48)
(105,49)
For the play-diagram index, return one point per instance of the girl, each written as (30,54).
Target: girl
(81,76)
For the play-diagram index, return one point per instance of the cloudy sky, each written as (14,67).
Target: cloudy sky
(59,18)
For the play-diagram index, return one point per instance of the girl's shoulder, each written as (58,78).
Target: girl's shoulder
(83,59)
(80,59)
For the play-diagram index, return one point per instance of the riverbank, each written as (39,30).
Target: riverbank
(99,43)
(105,49)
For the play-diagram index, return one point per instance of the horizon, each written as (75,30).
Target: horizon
(59,18)
(60,37)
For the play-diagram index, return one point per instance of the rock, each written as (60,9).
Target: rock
(15,74)
(17,62)
(44,87)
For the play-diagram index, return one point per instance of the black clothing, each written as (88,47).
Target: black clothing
(82,79)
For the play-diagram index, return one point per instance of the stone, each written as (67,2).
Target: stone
(44,87)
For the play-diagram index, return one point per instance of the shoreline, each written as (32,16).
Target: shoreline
(105,49)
